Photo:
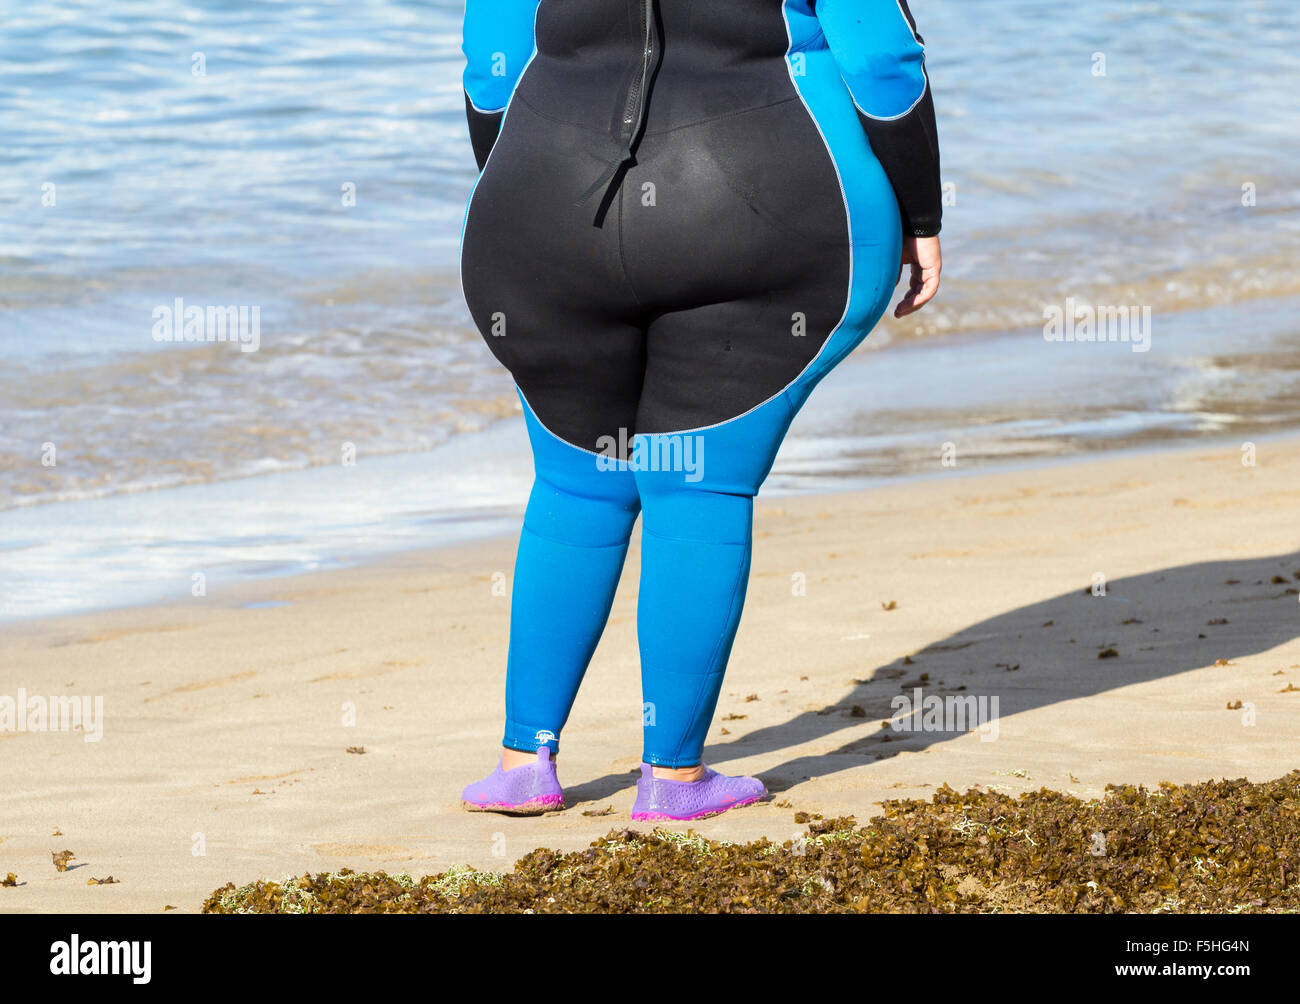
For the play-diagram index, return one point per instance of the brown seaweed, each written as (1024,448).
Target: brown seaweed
(1214,846)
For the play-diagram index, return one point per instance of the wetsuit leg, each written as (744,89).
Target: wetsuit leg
(697,486)
(570,556)
(695,554)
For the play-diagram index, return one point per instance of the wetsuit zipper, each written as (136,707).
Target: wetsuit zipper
(631,122)
(634,108)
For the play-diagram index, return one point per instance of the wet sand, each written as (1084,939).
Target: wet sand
(225,753)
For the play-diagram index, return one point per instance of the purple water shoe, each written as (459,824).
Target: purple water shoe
(523,791)
(658,798)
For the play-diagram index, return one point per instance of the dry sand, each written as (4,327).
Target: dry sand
(225,725)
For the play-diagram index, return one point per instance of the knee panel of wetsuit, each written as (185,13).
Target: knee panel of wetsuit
(587,521)
(677,509)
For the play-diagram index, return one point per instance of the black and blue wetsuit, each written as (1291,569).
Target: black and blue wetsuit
(689,211)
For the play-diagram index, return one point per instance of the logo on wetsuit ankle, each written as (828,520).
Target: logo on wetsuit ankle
(545,736)
(659,451)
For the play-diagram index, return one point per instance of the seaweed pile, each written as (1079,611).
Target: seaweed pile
(1216,846)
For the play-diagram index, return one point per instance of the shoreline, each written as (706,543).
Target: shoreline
(226,718)
(1004,399)
(474,525)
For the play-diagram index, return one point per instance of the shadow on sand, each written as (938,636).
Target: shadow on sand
(1158,624)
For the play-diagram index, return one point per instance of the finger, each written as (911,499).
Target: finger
(928,288)
(920,291)
(908,303)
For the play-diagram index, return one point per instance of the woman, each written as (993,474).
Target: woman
(691,211)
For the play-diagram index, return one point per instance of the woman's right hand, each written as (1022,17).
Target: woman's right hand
(926,260)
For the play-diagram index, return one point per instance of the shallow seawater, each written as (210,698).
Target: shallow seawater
(312,161)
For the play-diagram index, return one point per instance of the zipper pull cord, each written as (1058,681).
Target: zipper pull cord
(606,176)
(628,153)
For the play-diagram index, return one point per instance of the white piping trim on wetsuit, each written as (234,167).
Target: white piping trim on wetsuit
(911,26)
(493,111)
(901,115)
(848,225)
(554,435)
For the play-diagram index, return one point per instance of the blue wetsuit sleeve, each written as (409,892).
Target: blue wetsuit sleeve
(882,60)
(497,39)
